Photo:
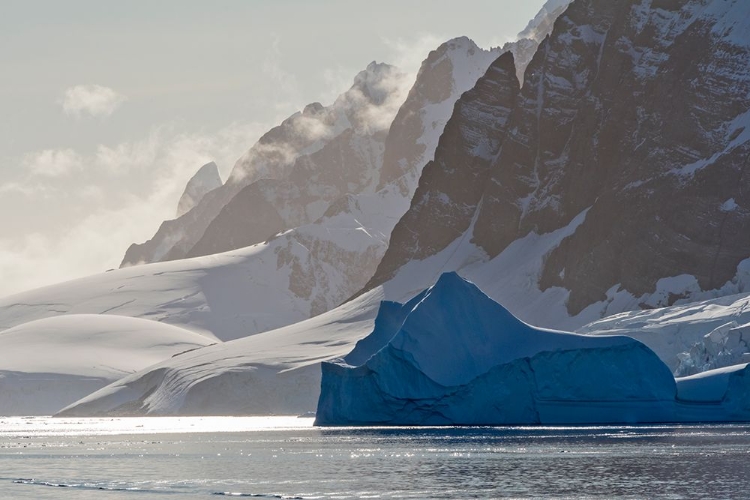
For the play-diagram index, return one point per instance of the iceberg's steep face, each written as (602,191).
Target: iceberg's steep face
(460,358)
(632,114)
(455,357)
(206,179)
(717,395)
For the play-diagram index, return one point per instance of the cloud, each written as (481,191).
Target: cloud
(119,196)
(94,100)
(407,54)
(52,162)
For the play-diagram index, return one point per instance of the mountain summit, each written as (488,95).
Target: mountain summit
(206,179)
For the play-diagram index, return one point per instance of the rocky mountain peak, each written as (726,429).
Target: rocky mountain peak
(629,139)
(206,179)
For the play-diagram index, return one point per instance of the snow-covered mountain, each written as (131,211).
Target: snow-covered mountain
(206,179)
(612,180)
(291,175)
(295,171)
(299,273)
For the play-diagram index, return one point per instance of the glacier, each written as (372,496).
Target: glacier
(453,356)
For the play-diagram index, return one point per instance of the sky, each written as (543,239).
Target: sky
(108,108)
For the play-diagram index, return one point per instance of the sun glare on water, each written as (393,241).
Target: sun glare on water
(47,426)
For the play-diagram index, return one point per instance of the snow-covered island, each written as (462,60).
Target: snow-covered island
(453,356)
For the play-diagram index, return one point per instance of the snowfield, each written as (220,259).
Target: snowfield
(49,363)
(272,373)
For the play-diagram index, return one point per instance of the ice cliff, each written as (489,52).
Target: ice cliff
(453,356)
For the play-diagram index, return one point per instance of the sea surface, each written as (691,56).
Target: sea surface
(286,457)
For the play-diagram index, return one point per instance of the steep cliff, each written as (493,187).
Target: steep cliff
(631,130)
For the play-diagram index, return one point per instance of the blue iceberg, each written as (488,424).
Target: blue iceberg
(453,356)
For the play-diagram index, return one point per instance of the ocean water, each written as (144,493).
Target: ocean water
(286,457)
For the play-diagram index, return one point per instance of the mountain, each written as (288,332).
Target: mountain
(299,273)
(538,29)
(303,271)
(613,179)
(206,179)
(297,169)
(291,175)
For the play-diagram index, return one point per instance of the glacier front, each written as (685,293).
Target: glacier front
(453,356)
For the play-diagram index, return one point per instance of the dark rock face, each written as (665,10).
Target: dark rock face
(403,150)
(633,110)
(469,143)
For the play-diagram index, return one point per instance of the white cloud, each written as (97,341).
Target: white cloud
(408,54)
(94,100)
(52,162)
(93,220)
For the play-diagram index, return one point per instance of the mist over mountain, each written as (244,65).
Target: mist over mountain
(281,162)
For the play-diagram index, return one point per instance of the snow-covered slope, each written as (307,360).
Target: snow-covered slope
(49,363)
(227,296)
(671,331)
(612,180)
(275,372)
(206,179)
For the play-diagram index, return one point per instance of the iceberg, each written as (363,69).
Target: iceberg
(453,356)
